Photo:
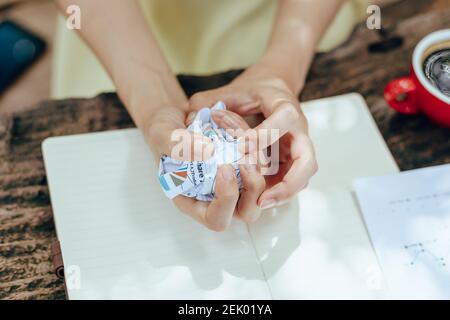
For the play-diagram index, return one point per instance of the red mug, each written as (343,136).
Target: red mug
(415,94)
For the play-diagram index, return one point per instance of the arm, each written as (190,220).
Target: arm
(119,35)
(296,33)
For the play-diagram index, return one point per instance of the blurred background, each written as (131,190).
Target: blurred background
(39,17)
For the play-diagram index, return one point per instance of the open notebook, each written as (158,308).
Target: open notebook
(122,238)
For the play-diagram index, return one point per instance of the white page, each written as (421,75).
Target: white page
(333,258)
(118,229)
(317,247)
(408,218)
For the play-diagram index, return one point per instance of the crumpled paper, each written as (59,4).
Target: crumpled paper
(197,179)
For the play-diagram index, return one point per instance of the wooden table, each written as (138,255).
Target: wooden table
(26,224)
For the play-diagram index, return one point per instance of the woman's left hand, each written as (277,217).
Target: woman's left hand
(260,91)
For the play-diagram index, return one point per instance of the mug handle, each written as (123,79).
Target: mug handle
(401,95)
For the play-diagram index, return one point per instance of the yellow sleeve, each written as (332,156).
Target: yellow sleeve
(196,36)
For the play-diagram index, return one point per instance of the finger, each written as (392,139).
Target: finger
(192,207)
(254,185)
(236,100)
(190,118)
(237,127)
(304,166)
(285,118)
(229,120)
(234,123)
(207,99)
(220,211)
(216,215)
(185,146)
(224,119)
(167,135)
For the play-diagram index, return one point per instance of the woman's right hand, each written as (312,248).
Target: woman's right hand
(166,134)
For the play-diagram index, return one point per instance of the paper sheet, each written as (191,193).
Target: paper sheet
(129,241)
(197,179)
(318,247)
(121,238)
(408,218)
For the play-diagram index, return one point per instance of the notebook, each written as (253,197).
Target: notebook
(121,238)
(408,217)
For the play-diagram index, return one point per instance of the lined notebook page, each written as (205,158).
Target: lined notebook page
(125,237)
(317,246)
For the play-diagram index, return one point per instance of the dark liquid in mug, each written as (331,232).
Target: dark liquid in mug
(437,70)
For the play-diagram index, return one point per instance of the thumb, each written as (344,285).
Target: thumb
(167,135)
(207,99)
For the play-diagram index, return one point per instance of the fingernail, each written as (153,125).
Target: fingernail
(268,204)
(219,113)
(191,117)
(228,173)
(230,122)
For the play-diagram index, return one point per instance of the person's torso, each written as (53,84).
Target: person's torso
(199,36)
(196,36)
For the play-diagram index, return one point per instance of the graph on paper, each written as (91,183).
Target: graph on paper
(433,252)
(408,218)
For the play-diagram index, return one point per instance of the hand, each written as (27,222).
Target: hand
(260,90)
(159,132)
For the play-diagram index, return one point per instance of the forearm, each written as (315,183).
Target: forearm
(298,28)
(119,35)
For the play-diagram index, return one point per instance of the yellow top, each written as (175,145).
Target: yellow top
(196,36)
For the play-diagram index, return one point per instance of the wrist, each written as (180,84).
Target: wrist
(290,57)
(149,92)
(293,77)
